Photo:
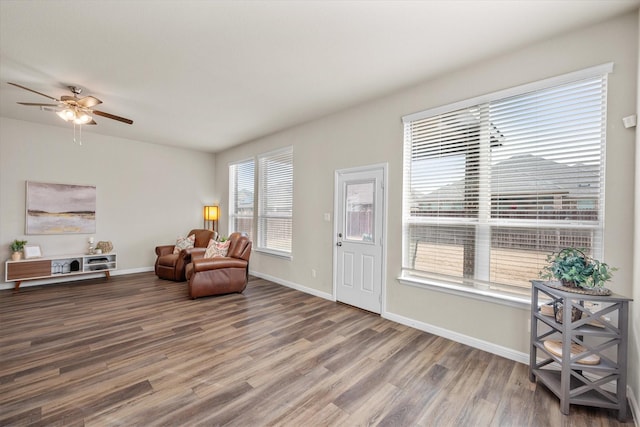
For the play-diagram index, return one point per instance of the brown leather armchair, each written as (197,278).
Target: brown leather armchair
(221,275)
(171,266)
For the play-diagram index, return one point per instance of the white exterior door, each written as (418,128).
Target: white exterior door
(359,239)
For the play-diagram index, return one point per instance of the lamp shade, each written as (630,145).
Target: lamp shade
(210,213)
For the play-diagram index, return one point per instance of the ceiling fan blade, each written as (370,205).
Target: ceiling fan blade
(111,116)
(36,104)
(34,91)
(88,101)
(52,108)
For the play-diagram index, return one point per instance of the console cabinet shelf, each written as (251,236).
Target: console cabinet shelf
(600,332)
(59,266)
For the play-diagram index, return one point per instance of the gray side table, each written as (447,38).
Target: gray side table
(601,332)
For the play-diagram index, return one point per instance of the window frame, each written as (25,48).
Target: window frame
(262,214)
(493,294)
(233,215)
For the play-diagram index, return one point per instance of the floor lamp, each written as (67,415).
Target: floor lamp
(210,215)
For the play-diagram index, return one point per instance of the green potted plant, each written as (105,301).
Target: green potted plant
(576,270)
(16,249)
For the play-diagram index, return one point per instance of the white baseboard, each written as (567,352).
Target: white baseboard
(292,285)
(132,271)
(460,338)
(635,409)
(28,283)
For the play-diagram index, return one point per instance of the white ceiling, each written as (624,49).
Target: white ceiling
(208,75)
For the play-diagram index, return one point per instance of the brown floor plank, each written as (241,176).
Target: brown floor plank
(135,350)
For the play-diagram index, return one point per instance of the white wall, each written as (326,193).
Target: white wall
(634,347)
(146,194)
(372,133)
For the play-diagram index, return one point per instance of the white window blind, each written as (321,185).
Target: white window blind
(492,188)
(241,197)
(275,201)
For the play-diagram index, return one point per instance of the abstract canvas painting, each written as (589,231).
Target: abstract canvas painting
(60,208)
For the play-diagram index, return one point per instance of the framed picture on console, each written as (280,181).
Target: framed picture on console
(32,252)
(60,208)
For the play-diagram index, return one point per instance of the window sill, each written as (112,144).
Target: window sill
(276,254)
(488,295)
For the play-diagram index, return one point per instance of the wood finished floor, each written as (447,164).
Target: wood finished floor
(135,350)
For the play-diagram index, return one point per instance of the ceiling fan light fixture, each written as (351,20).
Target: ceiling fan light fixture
(73,109)
(74,115)
(67,114)
(82,118)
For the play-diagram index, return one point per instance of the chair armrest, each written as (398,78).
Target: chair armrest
(164,250)
(196,253)
(207,264)
(186,254)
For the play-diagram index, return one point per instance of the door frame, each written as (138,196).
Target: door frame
(336,194)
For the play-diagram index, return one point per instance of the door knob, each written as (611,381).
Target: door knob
(339,244)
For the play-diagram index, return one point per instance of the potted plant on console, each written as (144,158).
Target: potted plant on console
(577,272)
(16,249)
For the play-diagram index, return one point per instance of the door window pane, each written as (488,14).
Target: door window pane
(359,211)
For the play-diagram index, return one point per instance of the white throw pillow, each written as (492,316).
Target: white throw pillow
(184,243)
(217,249)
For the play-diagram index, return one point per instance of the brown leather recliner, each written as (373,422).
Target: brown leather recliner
(221,275)
(171,266)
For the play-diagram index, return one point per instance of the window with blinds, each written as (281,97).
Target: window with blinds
(241,197)
(490,189)
(275,201)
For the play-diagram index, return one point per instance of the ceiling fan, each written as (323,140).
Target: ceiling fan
(72,108)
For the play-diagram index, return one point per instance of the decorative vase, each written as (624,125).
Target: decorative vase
(16,256)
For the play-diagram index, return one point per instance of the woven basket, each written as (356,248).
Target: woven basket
(106,247)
